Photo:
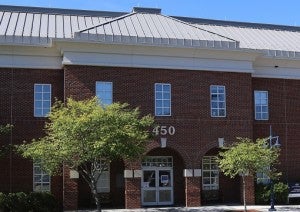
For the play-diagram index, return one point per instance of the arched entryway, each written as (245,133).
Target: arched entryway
(162,179)
(216,187)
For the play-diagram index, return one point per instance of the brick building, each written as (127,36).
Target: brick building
(205,81)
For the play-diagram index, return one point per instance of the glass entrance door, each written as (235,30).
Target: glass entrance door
(157,185)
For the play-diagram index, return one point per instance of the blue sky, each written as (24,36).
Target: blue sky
(284,12)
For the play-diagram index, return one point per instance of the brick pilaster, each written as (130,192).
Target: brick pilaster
(70,193)
(132,193)
(192,191)
(250,194)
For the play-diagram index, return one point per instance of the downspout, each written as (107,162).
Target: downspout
(11,121)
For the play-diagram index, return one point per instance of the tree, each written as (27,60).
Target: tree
(246,158)
(5,129)
(84,135)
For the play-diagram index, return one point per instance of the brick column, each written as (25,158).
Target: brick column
(192,191)
(250,190)
(70,193)
(132,193)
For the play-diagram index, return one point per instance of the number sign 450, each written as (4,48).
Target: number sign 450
(164,130)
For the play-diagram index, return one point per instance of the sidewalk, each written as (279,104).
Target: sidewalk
(215,208)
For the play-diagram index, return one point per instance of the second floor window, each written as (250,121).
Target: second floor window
(104,92)
(162,99)
(217,101)
(42,100)
(261,105)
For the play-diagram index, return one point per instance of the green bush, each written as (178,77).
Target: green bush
(17,202)
(263,193)
(42,202)
(2,202)
(33,202)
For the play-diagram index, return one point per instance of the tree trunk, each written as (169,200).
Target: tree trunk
(97,197)
(244,192)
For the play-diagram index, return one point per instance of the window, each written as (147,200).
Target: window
(261,105)
(262,177)
(217,101)
(210,173)
(104,92)
(42,100)
(41,180)
(103,183)
(162,99)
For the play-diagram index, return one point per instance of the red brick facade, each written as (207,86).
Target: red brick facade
(196,134)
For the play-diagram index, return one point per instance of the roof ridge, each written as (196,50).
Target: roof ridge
(107,22)
(178,20)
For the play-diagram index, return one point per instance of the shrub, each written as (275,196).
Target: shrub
(17,202)
(42,202)
(2,202)
(263,193)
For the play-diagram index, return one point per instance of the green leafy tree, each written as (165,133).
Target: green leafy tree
(5,129)
(84,135)
(246,158)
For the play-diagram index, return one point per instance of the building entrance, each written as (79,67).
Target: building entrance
(157,181)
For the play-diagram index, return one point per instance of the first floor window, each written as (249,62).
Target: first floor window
(210,173)
(262,177)
(41,180)
(103,183)
(42,100)
(217,101)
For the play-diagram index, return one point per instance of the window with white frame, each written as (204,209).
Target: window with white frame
(217,101)
(104,92)
(162,99)
(42,100)
(261,105)
(41,180)
(103,183)
(262,177)
(210,173)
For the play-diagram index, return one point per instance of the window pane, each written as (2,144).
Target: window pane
(158,87)
(166,111)
(159,103)
(46,104)
(166,88)
(159,95)
(167,96)
(46,88)
(166,103)
(38,104)
(258,109)
(158,111)
(214,89)
(38,96)
(38,88)
(38,112)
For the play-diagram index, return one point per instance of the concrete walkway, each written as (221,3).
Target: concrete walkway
(215,208)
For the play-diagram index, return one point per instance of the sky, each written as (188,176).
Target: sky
(282,12)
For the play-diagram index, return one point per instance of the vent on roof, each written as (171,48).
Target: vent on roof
(146,10)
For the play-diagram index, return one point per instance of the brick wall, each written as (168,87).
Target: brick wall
(16,107)
(284,110)
(196,132)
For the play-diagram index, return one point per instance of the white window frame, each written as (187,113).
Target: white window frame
(162,99)
(256,104)
(41,175)
(45,110)
(213,169)
(103,183)
(110,92)
(218,101)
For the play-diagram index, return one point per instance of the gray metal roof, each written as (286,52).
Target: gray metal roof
(154,29)
(38,26)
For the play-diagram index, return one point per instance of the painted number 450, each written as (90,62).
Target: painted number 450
(164,130)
